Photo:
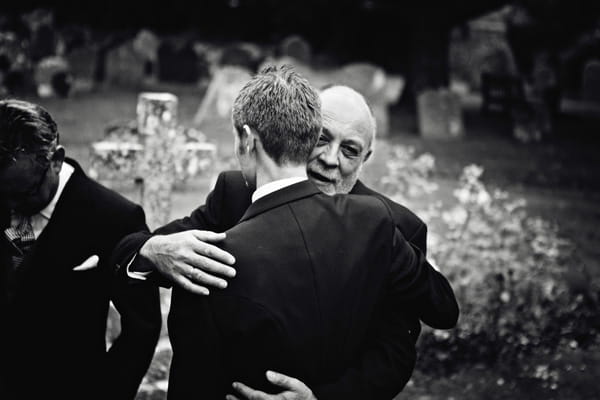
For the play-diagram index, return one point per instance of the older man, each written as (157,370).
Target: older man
(334,166)
(58,231)
(314,271)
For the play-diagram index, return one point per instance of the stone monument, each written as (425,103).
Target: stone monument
(155,153)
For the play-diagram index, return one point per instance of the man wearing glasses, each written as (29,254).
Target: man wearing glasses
(58,228)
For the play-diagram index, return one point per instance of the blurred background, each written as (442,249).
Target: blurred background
(488,118)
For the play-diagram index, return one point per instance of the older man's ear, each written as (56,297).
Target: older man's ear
(368,155)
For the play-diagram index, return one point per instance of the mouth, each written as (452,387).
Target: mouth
(320,178)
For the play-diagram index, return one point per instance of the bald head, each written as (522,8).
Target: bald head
(346,106)
(345,143)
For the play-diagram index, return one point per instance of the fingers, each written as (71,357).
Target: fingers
(208,236)
(203,247)
(205,261)
(188,285)
(284,381)
(250,393)
(200,277)
(231,397)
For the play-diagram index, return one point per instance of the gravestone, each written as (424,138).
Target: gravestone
(52,77)
(439,114)
(43,36)
(82,64)
(155,153)
(591,81)
(146,45)
(297,48)
(245,55)
(125,66)
(178,61)
(379,89)
(224,87)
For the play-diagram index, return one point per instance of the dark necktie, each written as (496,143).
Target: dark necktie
(22,237)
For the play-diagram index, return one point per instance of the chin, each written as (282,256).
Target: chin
(326,188)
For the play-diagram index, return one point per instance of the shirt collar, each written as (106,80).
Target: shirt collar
(63,177)
(273,186)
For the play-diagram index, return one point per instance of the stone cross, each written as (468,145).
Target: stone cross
(155,153)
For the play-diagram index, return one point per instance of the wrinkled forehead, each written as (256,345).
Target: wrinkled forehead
(346,117)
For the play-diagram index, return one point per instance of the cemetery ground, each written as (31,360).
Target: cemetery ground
(558,177)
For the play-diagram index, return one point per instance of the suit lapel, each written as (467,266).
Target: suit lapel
(280,197)
(56,238)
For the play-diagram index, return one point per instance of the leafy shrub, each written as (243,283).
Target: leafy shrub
(520,285)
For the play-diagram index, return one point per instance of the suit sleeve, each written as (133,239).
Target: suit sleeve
(138,304)
(414,281)
(205,217)
(419,238)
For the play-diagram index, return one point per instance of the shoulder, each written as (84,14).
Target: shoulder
(358,211)
(231,182)
(101,200)
(406,220)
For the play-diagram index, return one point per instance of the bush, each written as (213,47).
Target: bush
(520,286)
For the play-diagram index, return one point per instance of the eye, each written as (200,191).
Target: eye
(322,141)
(350,151)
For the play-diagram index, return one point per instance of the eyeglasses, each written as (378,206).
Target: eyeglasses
(8,156)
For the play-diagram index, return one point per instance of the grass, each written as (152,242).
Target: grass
(559,178)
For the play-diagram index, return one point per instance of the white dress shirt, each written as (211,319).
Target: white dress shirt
(274,186)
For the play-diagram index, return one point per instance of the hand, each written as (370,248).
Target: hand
(294,389)
(189,260)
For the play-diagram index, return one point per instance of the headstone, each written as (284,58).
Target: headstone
(37,18)
(179,62)
(591,81)
(224,87)
(155,153)
(439,114)
(51,77)
(44,43)
(296,47)
(75,37)
(380,90)
(245,55)
(44,38)
(146,44)
(500,92)
(82,64)
(124,66)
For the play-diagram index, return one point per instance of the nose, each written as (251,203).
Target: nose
(329,157)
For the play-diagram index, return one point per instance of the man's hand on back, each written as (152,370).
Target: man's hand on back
(293,389)
(189,260)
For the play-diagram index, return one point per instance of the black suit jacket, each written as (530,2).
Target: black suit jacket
(389,359)
(314,272)
(53,333)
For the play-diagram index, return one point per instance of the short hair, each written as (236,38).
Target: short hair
(26,127)
(284,110)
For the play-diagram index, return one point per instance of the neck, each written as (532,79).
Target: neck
(269,172)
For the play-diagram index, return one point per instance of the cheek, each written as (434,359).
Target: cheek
(317,151)
(349,167)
